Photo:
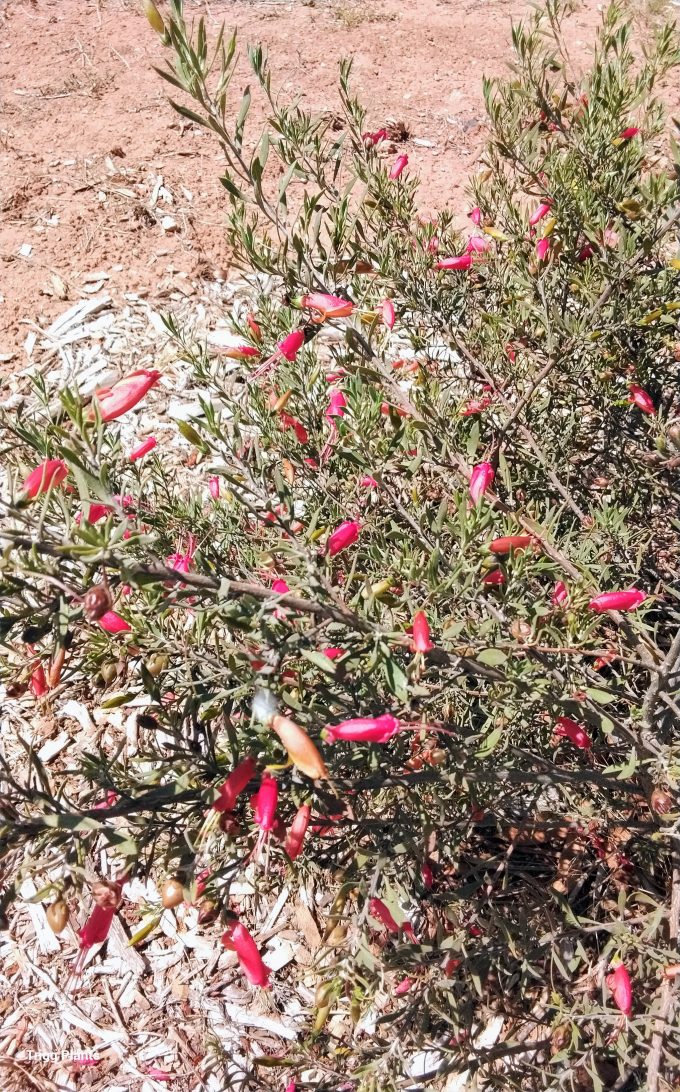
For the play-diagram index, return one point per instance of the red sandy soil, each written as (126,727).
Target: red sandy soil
(86,129)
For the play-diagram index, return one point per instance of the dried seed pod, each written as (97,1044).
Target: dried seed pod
(661,801)
(108,673)
(172,893)
(57,915)
(96,602)
(207,911)
(157,664)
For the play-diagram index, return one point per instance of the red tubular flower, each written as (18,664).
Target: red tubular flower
(239,352)
(143,449)
(602,661)
(421,633)
(254,326)
(569,729)
(629,133)
(475,406)
(497,577)
(366,481)
(621,989)
(337,404)
(214,487)
(333,653)
(124,395)
(617,600)
(280,587)
(427,875)
(386,309)
(481,478)
(343,536)
(301,434)
(542,249)
(475,215)
(297,831)
(50,473)
(96,928)
(326,306)
(236,938)
(38,681)
(266,801)
(398,166)
(560,594)
(462,261)
(291,344)
(542,210)
(379,911)
(364,729)
(509,543)
(96,512)
(376,137)
(113,623)
(587,251)
(231,789)
(640,398)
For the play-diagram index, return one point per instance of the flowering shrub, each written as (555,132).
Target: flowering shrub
(407,627)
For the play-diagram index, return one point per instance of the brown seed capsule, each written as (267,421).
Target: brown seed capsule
(106,894)
(661,801)
(57,915)
(674,435)
(157,663)
(337,936)
(437,756)
(207,911)
(96,602)
(172,893)
(108,673)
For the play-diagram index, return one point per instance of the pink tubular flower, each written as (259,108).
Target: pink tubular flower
(337,403)
(630,599)
(366,481)
(124,395)
(421,633)
(398,166)
(291,344)
(182,562)
(569,729)
(214,487)
(542,249)
(158,1074)
(364,729)
(236,938)
(333,653)
(51,472)
(480,480)
(475,406)
(380,912)
(39,681)
(280,587)
(629,133)
(475,215)
(343,536)
(254,326)
(477,244)
(386,310)
(462,261)
(143,449)
(640,398)
(265,803)
(560,594)
(231,789)
(621,989)
(542,210)
(113,623)
(301,434)
(403,987)
(297,831)
(326,306)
